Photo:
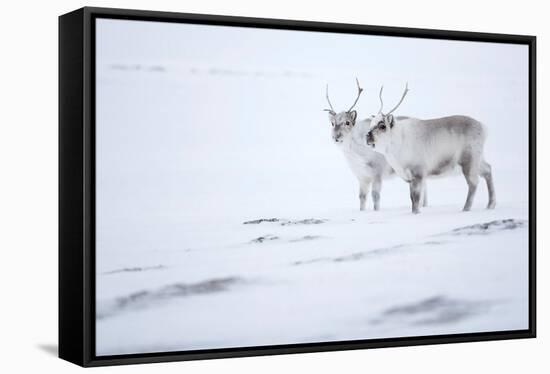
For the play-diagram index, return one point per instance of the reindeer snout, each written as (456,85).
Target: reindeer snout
(370,138)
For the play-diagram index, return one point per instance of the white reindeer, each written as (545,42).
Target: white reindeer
(417,149)
(349,135)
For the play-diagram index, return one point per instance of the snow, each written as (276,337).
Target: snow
(227,218)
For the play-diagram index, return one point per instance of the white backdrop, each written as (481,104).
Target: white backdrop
(28,148)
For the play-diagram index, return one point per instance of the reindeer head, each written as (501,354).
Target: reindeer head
(343,122)
(382,124)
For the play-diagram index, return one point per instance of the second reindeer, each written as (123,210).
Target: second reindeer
(349,135)
(417,149)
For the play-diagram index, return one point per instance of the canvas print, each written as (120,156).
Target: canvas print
(260,187)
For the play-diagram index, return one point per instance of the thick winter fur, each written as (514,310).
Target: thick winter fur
(417,149)
(369,167)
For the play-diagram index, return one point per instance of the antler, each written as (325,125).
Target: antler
(381,101)
(359,90)
(331,110)
(400,101)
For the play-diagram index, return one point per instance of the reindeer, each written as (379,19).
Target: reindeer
(417,149)
(348,134)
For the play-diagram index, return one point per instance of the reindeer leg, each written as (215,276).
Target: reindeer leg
(470,168)
(415,186)
(487,174)
(376,187)
(424,194)
(364,187)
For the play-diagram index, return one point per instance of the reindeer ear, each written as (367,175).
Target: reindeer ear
(353,114)
(390,120)
(331,115)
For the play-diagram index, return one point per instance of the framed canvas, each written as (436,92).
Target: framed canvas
(236,186)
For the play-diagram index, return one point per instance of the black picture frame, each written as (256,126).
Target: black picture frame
(77,185)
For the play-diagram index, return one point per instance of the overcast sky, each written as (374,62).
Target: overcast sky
(120,40)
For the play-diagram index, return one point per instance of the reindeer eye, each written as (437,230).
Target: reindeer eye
(347,123)
(382,127)
(332,124)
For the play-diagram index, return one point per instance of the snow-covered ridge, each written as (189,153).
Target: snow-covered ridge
(134,269)
(206,70)
(286,222)
(434,310)
(154,298)
(490,227)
